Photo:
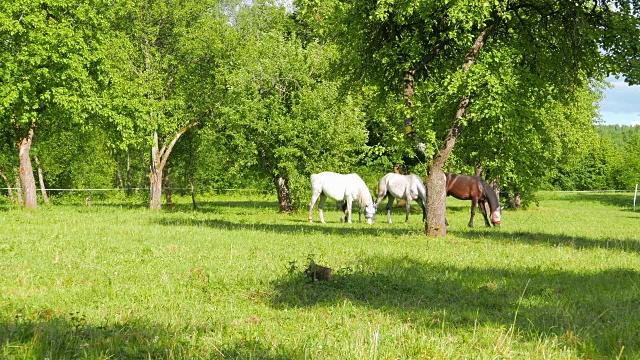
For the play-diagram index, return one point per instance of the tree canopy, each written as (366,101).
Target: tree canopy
(254,92)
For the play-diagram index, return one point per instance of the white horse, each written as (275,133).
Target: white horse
(407,187)
(341,187)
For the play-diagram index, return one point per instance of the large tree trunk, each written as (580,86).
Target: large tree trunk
(436,185)
(284,194)
(436,224)
(6,181)
(155,188)
(26,172)
(43,189)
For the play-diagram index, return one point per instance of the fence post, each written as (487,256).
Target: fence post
(635,196)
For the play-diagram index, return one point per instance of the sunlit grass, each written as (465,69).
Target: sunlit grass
(555,281)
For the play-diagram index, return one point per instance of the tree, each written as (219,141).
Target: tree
(48,73)
(453,49)
(280,114)
(145,103)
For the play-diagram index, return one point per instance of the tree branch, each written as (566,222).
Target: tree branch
(164,153)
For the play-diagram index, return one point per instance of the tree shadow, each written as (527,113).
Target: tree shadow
(296,226)
(70,337)
(589,312)
(578,242)
(217,206)
(622,200)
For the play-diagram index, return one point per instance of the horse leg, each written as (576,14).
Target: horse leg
(349,208)
(474,203)
(343,217)
(483,208)
(408,207)
(314,198)
(389,206)
(323,198)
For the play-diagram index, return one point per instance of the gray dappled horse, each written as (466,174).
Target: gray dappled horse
(407,187)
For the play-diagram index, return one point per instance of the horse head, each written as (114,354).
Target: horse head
(369,213)
(495,216)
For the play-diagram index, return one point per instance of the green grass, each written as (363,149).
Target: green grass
(558,281)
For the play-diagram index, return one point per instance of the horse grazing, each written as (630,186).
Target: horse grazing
(407,187)
(341,187)
(473,188)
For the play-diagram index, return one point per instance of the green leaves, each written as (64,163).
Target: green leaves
(47,59)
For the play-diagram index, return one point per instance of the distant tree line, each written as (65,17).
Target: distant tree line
(609,161)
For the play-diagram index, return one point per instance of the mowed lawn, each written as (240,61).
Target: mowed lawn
(557,281)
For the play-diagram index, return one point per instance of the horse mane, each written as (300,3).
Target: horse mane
(364,196)
(490,195)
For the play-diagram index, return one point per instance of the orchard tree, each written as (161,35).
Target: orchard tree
(517,135)
(144,104)
(49,67)
(446,56)
(627,175)
(281,113)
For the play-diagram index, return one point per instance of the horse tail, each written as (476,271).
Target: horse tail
(382,185)
(422,190)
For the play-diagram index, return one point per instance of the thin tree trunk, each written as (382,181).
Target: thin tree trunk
(193,193)
(6,181)
(128,183)
(27,179)
(284,194)
(43,189)
(409,78)
(155,176)
(436,185)
(18,189)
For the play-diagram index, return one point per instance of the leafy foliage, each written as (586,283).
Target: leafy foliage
(282,114)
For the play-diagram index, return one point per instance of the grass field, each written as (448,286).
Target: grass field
(557,281)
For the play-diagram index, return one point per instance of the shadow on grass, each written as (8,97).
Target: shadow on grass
(592,312)
(621,200)
(218,206)
(70,337)
(577,242)
(301,227)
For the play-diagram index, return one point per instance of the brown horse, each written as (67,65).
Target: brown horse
(473,188)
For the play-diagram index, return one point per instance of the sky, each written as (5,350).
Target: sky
(621,104)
